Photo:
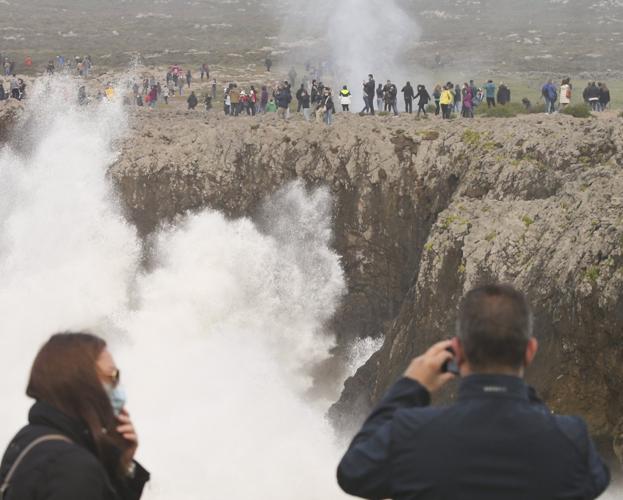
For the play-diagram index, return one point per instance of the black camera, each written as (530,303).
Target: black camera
(450,366)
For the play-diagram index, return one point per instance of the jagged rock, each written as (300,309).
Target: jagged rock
(10,110)
(424,210)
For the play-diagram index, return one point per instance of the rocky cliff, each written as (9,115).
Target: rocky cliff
(425,210)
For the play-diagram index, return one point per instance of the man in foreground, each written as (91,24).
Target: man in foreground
(498,441)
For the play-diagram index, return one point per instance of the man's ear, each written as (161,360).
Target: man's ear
(459,353)
(531,350)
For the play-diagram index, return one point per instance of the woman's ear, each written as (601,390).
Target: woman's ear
(531,350)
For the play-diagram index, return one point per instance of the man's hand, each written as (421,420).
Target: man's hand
(126,429)
(426,369)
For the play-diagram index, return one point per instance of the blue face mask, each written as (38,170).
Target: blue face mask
(117,398)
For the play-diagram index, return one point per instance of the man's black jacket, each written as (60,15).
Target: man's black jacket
(56,470)
(497,442)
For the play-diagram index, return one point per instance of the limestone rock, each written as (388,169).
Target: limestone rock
(424,210)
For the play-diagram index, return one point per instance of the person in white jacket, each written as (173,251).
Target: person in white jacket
(345,98)
(565,93)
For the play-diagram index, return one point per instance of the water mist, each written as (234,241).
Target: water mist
(361,37)
(216,341)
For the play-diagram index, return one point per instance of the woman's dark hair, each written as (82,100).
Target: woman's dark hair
(64,375)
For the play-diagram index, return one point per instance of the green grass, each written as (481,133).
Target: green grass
(527,220)
(592,274)
(577,111)
(509,110)
(529,86)
(471,137)
(428,135)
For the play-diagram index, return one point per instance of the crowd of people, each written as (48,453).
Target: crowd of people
(80,66)
(16,89)
(444,100)
(318,100)
(312,98)
(313,102)
(597,96)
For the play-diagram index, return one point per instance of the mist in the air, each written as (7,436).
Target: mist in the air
(217,341)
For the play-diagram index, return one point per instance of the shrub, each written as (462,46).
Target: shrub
(592,274)
(507,111)
(527,220)
(430,108)
(577,111)
(621,114)
(471,137)
(539,108)
(430,135)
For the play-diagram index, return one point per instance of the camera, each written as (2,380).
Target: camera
(450,366)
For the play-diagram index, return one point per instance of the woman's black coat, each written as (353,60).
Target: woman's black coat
(58,470)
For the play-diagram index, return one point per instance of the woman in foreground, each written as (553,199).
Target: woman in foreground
(80,442)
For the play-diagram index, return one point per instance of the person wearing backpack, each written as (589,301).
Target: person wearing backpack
(80,442)
(565,93)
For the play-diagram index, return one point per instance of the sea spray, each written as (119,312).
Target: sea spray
(357,38)
(66,254)
(216,342)
(229,325)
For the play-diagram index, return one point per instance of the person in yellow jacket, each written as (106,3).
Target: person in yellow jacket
(110,92)
(345,98)
(447,101)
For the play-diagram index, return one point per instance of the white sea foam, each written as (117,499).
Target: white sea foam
(217,341)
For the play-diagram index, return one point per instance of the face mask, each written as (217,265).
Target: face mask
(117,398)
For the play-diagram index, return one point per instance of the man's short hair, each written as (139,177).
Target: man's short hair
(494,325)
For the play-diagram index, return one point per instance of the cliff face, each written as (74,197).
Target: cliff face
(424,211)
(10,110)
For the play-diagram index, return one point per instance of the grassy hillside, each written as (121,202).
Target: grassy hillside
(523,40)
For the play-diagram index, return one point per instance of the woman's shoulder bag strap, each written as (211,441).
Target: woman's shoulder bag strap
(48,437)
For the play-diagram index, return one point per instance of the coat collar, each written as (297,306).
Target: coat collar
(496,386)
(44,414)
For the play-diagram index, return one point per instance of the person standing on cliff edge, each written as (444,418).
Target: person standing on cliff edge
(368,91)
(497,441)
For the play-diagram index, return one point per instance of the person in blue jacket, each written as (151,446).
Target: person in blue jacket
(490,93)
(550,95)
(497,441)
